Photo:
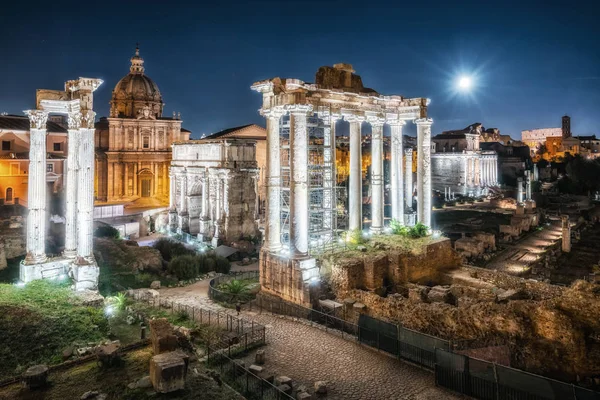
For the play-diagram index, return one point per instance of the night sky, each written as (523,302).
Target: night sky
(532,61)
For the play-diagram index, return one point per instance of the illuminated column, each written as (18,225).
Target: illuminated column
(85,188)
(273,182)
(329,173)
(217,221)
(477,161)
(126,180)
(355,175)
(111,181)
(396,171)
(36,187)
(528,184)
(566,233)
(408,178)
(299,180)
(204,216)
(74,124)
(183,213)
(377,175)
(172,199)
(155,172)
(424,170)
(520,190)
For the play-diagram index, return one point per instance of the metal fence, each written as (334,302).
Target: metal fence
(241,330)
(403,343)
(217,295)
(241,379)
(489,381)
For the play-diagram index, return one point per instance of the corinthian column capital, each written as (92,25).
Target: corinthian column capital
(87,119)
(353,117)
(74,120)
(376,121)
(424,121)
(37,118)
(272,113)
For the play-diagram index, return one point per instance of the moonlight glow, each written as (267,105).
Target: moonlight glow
(465,83)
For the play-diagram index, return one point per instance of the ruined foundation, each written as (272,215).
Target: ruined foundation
(287,278)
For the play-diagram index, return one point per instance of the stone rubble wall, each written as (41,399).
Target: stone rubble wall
(373,270)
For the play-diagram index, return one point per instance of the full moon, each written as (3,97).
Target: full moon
(465,83)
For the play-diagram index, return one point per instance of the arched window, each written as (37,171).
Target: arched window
(9,195)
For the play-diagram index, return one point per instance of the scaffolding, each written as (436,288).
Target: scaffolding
(326,201)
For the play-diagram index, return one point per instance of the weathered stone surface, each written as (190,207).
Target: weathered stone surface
(162,336)
(283,380)
(91,298)
(144,383)
(303,396)
(285,389)
(108,355)
(168,371)
(255,369)
(439,294)
(155,285)
(321,387)
(260,357)
(511,294)
(93,395)
(35,377)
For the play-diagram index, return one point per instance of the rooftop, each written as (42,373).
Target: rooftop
(21,123)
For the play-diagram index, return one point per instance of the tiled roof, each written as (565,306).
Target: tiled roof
(21,123)
(225,132)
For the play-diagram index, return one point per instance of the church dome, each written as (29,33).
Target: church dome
(136,91)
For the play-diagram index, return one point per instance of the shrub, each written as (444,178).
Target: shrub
(210,264)
(398,228)
(418,231)
(222,265)
(237,290)
(106,231)
(184,267)
(355,237)
(170,249)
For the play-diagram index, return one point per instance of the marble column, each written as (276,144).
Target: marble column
(355,173)
(172,200)
(217,221)
(424,170)
(397,190)
(127,192)
(273,182)
(74,125)
(36,187)
(408,178)
(528,184)
(204,216)
(520,190)
(377,175)
(299,212)
(85,188)
(329,173)
(477,171)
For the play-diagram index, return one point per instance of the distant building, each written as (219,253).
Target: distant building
(513,160)
(590,146)
(535,138)
(133,145)
(14,158)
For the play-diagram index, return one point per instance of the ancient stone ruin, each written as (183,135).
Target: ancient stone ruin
(76,101)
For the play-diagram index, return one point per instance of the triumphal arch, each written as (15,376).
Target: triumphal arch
(77,260)
(302,205)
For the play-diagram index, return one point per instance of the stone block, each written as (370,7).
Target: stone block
(359,307)
(321,387)
(283,380)
(93,395)
(511,294)
(35,377)
(108,355)
(303,396)
(162,336)
(155,285)
(255,369)
(285,389)
(259,357)
(439,294)
(168,371)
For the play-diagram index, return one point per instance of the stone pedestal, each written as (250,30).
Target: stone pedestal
(85,274)
(162,336)
(168,371)
(173,220)
(288,278)
(35,377)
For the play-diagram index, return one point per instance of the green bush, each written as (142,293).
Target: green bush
(184,267)
(236,289)
(107,231)
(210,264)
(398,228)
(222,265)
(418,231)
(170,249)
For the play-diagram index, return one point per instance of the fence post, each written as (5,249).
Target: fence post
(496,382)
(246,342)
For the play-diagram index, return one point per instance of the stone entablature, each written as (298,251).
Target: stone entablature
(213,189)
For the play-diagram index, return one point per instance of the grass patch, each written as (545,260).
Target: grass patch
(39,321)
